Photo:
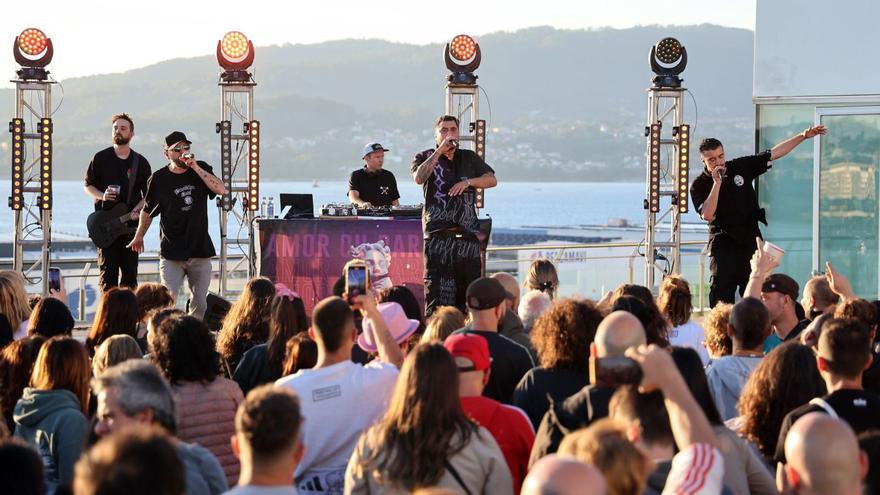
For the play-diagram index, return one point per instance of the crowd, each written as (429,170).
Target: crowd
(527,393)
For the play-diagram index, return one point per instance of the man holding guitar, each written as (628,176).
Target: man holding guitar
(117,181)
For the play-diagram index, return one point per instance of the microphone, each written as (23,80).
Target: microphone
(454,143)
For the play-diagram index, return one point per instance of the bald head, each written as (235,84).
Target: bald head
(510,284)
(618,332)
(555,475)
(823,456)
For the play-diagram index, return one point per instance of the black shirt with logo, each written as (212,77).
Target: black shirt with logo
(445,212)
(107,169)
(377,188)
(859,408)
(182,200)
(737,214)
(510,362)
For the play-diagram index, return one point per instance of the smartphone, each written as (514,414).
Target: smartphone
(55,279)
(615,371)
(357,279)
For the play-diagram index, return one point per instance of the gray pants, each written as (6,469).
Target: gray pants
(197,272)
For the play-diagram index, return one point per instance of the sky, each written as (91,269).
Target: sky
(98,37)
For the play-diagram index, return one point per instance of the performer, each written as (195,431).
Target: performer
(372,185)
(725,197)
(180,192)
(128,170)
(448,176)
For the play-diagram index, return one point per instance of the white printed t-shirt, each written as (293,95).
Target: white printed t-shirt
(691,334)
(337,404)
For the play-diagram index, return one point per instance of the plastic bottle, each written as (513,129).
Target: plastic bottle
(263,207)
(270,209)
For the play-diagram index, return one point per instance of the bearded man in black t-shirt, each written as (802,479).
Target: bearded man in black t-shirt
(449,176)
(120,166)
(180,192)
(725,197)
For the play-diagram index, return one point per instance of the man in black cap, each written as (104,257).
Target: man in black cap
(118,175)
(487,302)
(180,192)
(780,294)
(372,185)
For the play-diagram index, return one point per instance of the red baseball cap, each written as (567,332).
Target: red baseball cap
(474,348)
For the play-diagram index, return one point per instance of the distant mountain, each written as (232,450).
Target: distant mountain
(563,104)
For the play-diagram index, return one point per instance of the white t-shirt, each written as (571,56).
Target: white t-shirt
(691,335)
(337,403)
(21,331)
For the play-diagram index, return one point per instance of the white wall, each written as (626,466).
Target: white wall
(817,48)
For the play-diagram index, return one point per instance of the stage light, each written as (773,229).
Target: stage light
(684,136)
(235,53)
(45,128)
(668,60)
(253,132)
(33,51)
(16,127)
(462,56)
(654,170)
(480,150)
(225,130)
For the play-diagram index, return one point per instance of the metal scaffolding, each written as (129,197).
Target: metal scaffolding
(463,102)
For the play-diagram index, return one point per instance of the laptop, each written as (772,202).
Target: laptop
(301,205)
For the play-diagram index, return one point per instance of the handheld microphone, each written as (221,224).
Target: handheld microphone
(454,143)
(186,156)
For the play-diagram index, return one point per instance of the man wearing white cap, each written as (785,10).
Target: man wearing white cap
(372,185)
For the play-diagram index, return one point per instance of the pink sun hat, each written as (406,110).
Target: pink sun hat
(398,324)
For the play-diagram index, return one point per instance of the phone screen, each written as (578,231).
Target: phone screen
(55,279)
(614,371)
(356,280)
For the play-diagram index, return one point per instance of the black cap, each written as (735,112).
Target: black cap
(485,293)
(782,283)
(174,138)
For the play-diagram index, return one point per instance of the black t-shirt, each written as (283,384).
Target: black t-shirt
(442,211)
(510,362)
(182,200)
(378,188)
(859,408)
(107,169)
(531,392)
(737,214)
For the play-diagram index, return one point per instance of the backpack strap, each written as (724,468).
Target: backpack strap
(132,175)
(825,406)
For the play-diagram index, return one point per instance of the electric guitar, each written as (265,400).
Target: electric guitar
(106,225)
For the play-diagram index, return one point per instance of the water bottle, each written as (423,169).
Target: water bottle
(263,208)
(270,209)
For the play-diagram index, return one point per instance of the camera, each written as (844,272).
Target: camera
(615,371)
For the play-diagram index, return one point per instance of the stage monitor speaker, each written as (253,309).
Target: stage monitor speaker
(301,205)
(217,309)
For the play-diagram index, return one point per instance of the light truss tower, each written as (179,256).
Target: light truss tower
(239,155)
(31,167)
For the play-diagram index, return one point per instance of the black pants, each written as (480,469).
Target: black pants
(117,258)
(730,269)
(452,262)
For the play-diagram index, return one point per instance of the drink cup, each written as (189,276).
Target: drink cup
(114,189)
(773,251)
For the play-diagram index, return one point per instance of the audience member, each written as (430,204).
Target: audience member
(21,469)
(400,294)
(263,363)
(51,414)
(824,457)
(618,332)
(401,328)
(675,303)
(347,395)
(247,323)
(14,302)
(655,324)
(140,460)
(183,350)
(542,276)
(50,318)
(301,353)
(441,324)
(117,314)
(785,379)
(718,342)
(424,439)
(531,307)
(604,444)
(267,441)
(151,297)
(748,328)
(508,424)
(557,475)
(16,365)
(780,294)
(869,443)
(866,313)
(510,325)
(818,297)
(113,351)
(134,394)
(562,336)
(487,301)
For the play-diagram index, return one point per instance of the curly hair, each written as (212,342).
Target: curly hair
(247,322)
(717,341)
(785,379)
(858,309)
(656,326)
(563,334)
(183,350)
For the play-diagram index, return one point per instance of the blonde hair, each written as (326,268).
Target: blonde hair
(717,341)
(542,276)
(13,298)
(115,350)
(605,446)
(444,321)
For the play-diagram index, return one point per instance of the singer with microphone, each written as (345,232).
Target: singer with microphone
(180,193)
(449,177)
(724,196)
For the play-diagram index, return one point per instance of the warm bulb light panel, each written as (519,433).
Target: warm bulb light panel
(654,150)
(253,195)
(684,136)
(45,164)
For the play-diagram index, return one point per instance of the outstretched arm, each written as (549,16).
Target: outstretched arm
(791,143)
